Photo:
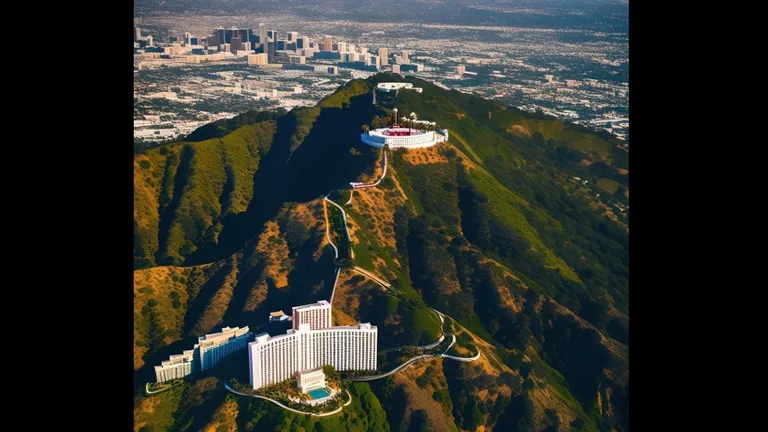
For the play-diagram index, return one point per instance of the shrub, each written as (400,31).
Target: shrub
(525,369)
(528,384)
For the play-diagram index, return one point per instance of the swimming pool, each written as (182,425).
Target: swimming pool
(319,393)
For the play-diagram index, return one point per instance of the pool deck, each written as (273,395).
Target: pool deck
(323,399)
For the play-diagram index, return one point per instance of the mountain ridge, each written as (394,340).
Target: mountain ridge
(450,227)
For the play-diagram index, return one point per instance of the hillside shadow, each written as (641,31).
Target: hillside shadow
(240,296)
(268,196)
(207,291)
(322,162)
(168,212)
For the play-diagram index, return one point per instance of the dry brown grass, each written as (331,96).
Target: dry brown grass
(144,410)
(350,295)
(225,418)
(422,156)
(544,398)
(420,399)
(519,130)
(275,252)
(157,283)
(219,302)
(378,206)
(257,295)
(342,319)
(510,300)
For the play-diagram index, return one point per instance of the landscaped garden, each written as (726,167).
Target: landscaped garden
(288,394)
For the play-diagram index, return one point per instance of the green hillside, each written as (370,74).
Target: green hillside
(490,228)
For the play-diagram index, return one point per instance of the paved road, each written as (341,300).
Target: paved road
(367,185)
(384,375)
(346,228)
(146,389)
(335,282)
(328,231)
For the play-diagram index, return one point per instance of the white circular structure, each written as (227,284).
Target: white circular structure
(396,137)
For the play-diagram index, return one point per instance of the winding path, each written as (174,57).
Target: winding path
(146,389)
(337,410)
(328,230)
(371,276)
(356,185)
(335,282)
(386,374)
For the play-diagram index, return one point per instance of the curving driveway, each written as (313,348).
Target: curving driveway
(146,389)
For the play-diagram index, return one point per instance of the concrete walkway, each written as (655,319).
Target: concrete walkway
(337,410)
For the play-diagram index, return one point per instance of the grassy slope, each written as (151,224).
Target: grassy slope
(176,213)
(161,299)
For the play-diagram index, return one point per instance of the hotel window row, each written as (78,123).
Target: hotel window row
(275,359)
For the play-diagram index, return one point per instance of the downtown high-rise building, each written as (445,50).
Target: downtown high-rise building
(136,34)
(263,37)
(375,61)
(258,59)
(235,44)
(327,43)
(293,36)
(384,56)
(219,35)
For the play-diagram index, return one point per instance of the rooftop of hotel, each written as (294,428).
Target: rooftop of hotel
(174,359)
(303,328)
(307,371)
(320,303)
(225,334)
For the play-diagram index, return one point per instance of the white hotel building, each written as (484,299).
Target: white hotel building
(275,359)
(178,366)
(216,346)
(317,315)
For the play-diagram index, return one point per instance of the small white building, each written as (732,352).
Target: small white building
(278,316)
(395,86)
(310,379)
